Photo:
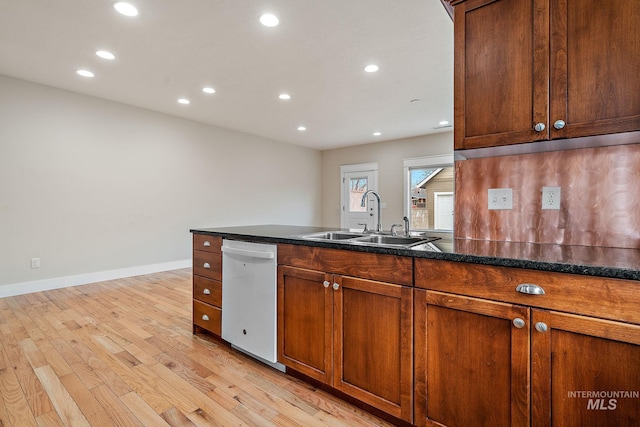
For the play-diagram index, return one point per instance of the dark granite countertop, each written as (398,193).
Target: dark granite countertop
(593,261)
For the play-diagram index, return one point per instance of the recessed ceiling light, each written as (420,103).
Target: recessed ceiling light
(184,101)
(377,134)
(85,73)
(302,128)
(443,122)
(127,9)
(371,68)
(105,55)
(269,20)
(284,96)
(208,90)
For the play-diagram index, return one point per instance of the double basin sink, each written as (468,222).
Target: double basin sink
(384,240)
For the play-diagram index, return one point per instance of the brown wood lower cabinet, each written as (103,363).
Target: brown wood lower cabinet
(483,362)
(352,334)
(462,348)
(585,371)
(373,344)
(305,322)
(207,284)
(472,363)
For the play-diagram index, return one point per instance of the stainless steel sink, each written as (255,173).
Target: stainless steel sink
(392,240)
(332,235)
(369,239)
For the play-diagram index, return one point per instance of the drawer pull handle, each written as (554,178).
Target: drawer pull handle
(335,286)
(559,124)
(206,243)
(206,265)
(541,327)
(539,127)
(326,283)
(206,291)
(518,323)
(529,289)
(205,317)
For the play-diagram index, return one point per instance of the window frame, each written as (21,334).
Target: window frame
(442,161)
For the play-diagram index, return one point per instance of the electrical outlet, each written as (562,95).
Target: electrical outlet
(500,199)
(35,262)
(551,198)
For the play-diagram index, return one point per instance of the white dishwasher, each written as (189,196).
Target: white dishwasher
(249,298)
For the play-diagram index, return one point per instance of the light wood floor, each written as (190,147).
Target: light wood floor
(121,353)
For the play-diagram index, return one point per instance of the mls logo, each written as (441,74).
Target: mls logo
(602,404)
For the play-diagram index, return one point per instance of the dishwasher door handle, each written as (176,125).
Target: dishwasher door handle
(248,253)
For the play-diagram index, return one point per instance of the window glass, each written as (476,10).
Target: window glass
(431,198)
(357,187)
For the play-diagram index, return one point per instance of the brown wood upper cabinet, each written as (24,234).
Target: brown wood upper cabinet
(533,70)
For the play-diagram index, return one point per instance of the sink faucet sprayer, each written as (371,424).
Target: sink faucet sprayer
(363,204)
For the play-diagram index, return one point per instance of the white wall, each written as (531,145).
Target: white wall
(89,185)
(390,156)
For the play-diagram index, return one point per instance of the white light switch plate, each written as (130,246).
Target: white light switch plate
(500,199)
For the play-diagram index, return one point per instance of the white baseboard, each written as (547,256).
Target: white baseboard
(83,279)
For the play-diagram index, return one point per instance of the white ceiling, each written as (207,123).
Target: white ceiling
(316,54)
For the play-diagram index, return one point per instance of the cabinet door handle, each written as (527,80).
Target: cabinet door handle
(206,291)
(326,283)
(529,289)
(335,286)
(518,323)
(541,327)
(539,127)
(206,243)
(559,124)
(205,317)
(206,265)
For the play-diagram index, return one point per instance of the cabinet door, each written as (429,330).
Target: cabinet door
(472,361)
(595,87)
(305,312)
(585,371)
(501,72)
(373,344)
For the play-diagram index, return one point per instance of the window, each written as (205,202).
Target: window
(428,193)
(357,187)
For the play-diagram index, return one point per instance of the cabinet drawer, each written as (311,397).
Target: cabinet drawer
(207,290)
(613,299)
(204,242)
(207,264)
(207,316)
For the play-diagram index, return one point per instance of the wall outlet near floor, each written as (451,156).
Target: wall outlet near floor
(551,198)
(35,262)
(500,199)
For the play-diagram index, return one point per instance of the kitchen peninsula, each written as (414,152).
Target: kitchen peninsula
(455,331)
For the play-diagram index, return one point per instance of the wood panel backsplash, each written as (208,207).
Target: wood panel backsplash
(600,197)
